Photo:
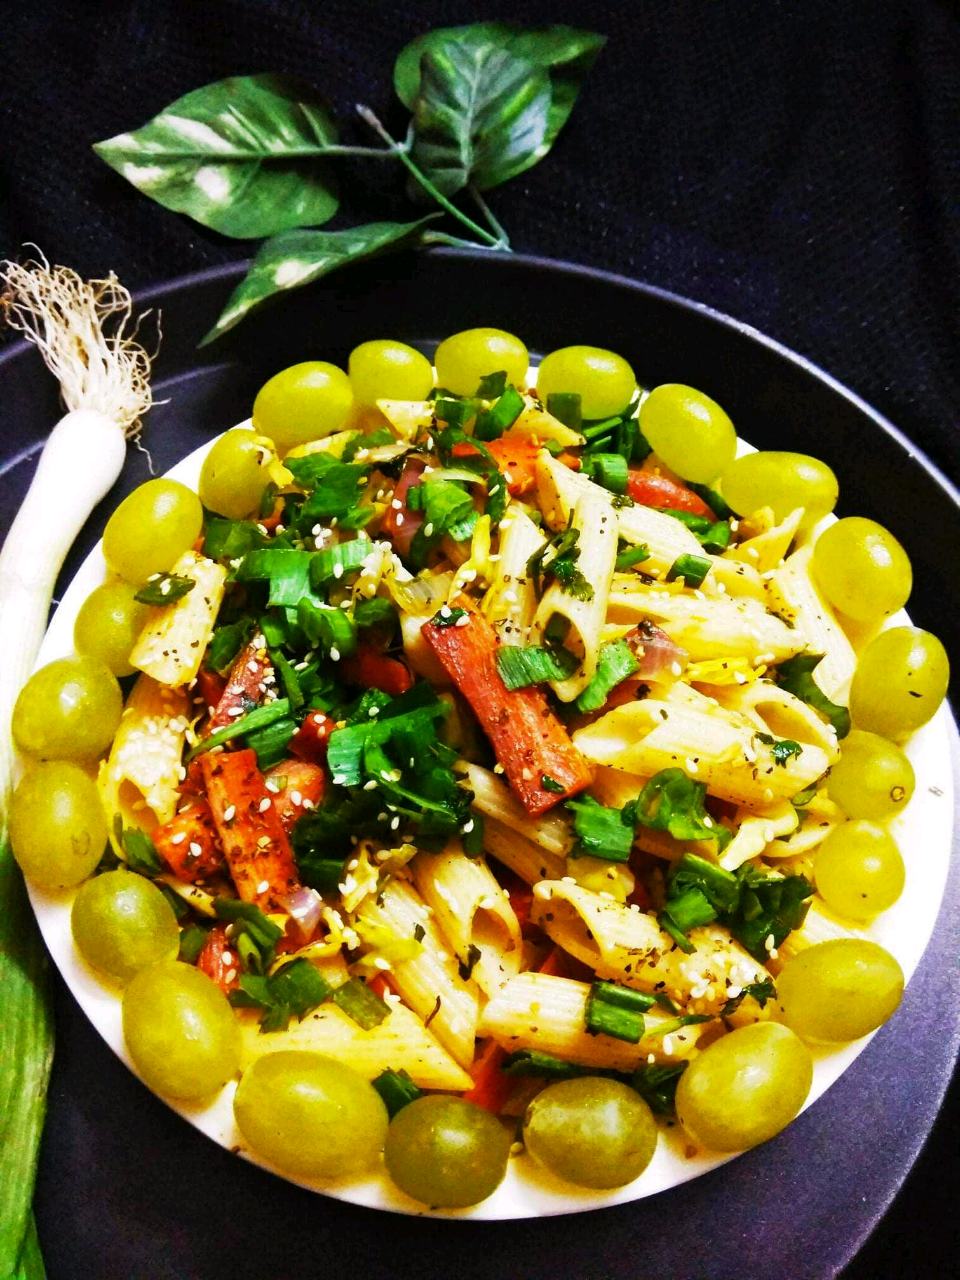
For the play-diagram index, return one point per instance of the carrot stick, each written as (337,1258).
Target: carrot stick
(527,738)
(371,669)
(310,740)
(247,682)
(256,846)
(218,960)
(491,1086)
(189,843)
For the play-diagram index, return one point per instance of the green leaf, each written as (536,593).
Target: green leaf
(296,258)
(559,56)
(796,676)
(239,155)
(164,588)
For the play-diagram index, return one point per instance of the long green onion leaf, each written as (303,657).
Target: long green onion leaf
(522,665)
(615,663)
(259,718)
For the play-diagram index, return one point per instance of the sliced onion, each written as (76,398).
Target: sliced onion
(657,654)
(304,906)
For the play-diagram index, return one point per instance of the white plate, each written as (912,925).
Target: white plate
(923,833)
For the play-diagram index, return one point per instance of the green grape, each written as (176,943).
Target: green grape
(464,360)
(305,402)
(151,529)
(58,829)
(873,778)
(235,473)
(859,870)
(781,481)
(862,569)
(446,1152)
(68,710)
(839,990)
(689,431)
(121,923)
(900,681)
(310,1115)
(180,1031)
(385,370)
(603,380)
(107,625)
(745,1087)
(590,1131)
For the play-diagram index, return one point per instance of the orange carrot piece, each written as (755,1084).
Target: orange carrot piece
(210,686)
(492,1087)
(516,456)
(257,849)
(371,669)
(310,740)
(218,960)
(301,788)
(247,682)
(527,737)
(189,843)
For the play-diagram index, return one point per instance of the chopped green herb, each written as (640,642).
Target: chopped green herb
(713,535)
(334,563)
(551,784)
(139,850)
(692,569)
(285,570)
(375,613)
(447,617)
(247,919)
(760,991)
(672,802)
(466,966)
(493,422)
(615,663)
(327,628)
(531,1062)
(492,385)
(601,832)
(268,500)
(396,1089)
(657,1084)
(164,588)
(192,939)
(713,500)
(781,748)
(557,559)
(796,676)
(259,718)
(226,643)
(456,412)
(803,798)
(607,469)
(290,992)
(229,539)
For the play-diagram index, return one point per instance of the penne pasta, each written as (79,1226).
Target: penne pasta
(473,913)
(531,862)
(140,779)
(494,799)
(793,593)
(511,602)
(175,636)
(540,1012)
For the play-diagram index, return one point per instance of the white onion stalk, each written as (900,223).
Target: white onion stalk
(84,333)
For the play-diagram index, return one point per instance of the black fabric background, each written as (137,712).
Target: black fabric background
(796,165)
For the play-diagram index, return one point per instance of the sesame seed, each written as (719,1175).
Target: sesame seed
(263,886)
(231,975)
(195,848)
(178,838)
(334,653)
(233,712)
(296,798)
(229,813)
(272,785)
(264,804)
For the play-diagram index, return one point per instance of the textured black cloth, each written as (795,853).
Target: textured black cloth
(795,165)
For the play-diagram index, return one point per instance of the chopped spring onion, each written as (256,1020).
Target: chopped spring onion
(346,748)
(290,992)
(522,665)
(396,1089)
(258,718)
(456,413)
(672,802)
(229,539)
(781,748)
(565,406)
(361,1004)
(601,832)
(713,535)
(532,1062)
(607,469)
(447,617)
(615,662)
(249,922)
(630,556)
(286,570)
(327,628)
(492,385)
(657,1084)
(616,1011)
(335,562)
(493,422)
(692,569)
(227,642)
(192,939)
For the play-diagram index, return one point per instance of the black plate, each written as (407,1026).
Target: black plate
(126,1188)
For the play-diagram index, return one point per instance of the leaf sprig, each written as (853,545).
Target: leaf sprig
(254,156)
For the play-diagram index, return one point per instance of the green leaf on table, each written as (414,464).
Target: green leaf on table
(239,155)
(474,118)
(296,258)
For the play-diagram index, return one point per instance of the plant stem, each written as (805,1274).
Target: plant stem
(495,225)
(455,242)
(369,118)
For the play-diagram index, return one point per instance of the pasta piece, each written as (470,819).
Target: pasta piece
(531,862)
(781,713)
(597,526)
(407,417)
(541,1012)
(401,1042)
(140,779)
(628,946)
(559,489)
(794,594)
(765,550)
(712,745)
(732,577)
(175,636)
(755,831)
(333,444)
(511,600)
(428,981)
(494,799)
(473,913)
(708,627)
(536,422)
